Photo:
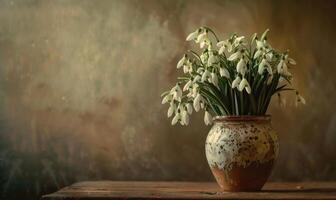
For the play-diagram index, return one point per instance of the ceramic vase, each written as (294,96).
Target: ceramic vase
(241,151)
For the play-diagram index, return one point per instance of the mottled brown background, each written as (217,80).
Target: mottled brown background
(80,86)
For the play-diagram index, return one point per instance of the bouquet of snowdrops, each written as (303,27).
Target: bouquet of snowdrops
(237,76)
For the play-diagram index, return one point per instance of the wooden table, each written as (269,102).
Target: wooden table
(189,190)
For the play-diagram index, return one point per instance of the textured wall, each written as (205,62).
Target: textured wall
(80,85)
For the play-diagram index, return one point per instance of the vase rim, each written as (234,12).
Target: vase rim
(241,118)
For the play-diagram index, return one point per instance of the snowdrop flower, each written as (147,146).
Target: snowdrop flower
(187,67)
(263,48)
(282,68)
(260,44)
(176,118)
(224,72)
(181,62)
(197,102)
(238,41)
(241,67)
(263,36)
(203,39)
(212,59)
(205,75)
(193,91)
(202,36)
(224,45)
(189,108)
(207,118)
(244,85)
(197,78)
(258,53)
(205,42)
(290,60)
(193,35)
(214,79)
(254,37)
(171,109)
(187,85)
(176,92)
(184,117)
(299,99)
(204,57)
(263,65)
(235,56)
(167,98)
(236,82)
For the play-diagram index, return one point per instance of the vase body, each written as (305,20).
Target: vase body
(241,151)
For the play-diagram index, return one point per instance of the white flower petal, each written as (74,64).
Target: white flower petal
(207,118)
(235,56)
(221,43)
(224,72)
(196,102)
(241,66)
(214,79)
(205,75)
(175,119)
(291,61)
(248,89)
(189,108)
(236,82)
(201,37)
(221,50)
(192,36)
(243,85)
(181,62)
(187,85)
(257,53)
(171,110)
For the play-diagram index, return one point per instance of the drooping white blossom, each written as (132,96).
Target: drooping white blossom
(224,45)
(212,59)
(238,41)
(197,102)
(244,85)
(187,85)
(203,39)
(171,109)
(176,92)
(241,67)
(224,72)
(214,79)
(264,65)
(187,67)
(207,118)
(206,75)
(193,35)
(282,68)
(189,108)
(235,56)
(167,98)
(236,82)
(184,117)
(180,63)
(176,118)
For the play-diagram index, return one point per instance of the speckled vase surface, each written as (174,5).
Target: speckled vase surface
(241,151)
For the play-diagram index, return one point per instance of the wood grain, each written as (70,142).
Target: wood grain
(189,190)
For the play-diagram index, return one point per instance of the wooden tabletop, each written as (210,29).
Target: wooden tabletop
(189,190)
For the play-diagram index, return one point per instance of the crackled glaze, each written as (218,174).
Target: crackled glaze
(241,143)
(241,152)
